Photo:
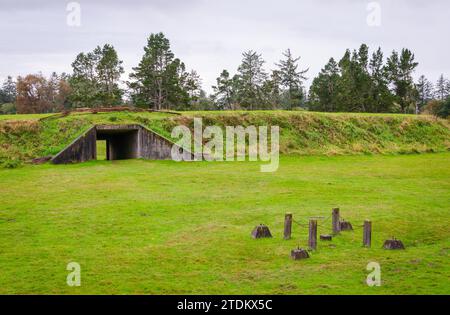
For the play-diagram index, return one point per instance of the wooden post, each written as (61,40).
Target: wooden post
(367,233)
(312,239)
(335,221)
(287,226)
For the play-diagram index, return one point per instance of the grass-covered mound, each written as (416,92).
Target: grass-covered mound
(23,137)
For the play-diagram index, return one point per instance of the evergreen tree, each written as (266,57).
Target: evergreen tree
(400,69)
(109,69)
(8,91)
(323,94)
(425,93)
(251,79)
(380,99)
(355,82)
(291,79)
(442,88)
(275,96)
(225,91)
(95,78)
(160,80)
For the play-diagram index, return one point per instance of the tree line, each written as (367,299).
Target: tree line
(358,82)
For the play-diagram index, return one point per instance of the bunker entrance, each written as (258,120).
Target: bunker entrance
(120,144)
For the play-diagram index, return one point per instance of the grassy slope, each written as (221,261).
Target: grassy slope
(165,227)
(302,133)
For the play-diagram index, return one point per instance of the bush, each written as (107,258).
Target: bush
(444,110)
(11,164)
(8,108)
(438,108)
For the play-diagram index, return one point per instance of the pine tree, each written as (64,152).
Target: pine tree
(355,82)
(291,79)
(251,79)
(400,69)
(160,80)
(442,88)
(225,91)
(95,78)
(109,69)
(425,93)
(8,91)
(380,99)
(323,93)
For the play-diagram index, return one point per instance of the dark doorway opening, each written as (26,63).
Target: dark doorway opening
(121,144)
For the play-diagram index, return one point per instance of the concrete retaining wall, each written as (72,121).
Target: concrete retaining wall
(83,149)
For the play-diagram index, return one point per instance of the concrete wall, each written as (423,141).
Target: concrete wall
(153,147)
(83,149)
(123,142)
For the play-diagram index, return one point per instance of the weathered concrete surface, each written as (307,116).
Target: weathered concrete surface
(83,149)
(122,142)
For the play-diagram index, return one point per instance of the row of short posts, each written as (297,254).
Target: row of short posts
(338,225)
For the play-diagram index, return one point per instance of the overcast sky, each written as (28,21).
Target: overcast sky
(210,35)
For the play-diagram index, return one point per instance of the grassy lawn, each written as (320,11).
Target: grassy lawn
(160,227)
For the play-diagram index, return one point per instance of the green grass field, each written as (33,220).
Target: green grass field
(161,227)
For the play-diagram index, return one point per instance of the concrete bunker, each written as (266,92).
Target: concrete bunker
(122,142)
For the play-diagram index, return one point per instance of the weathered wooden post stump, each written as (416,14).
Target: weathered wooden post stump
(345,226)
(326,237)
(367,233)
(393,244)
(261,231)
(335,221)
(299,253)
(287,226)
(312,239)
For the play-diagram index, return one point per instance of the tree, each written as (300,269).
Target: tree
(380,99)
(225,91)
(355,81)
(8,91)
(444,110)
(251,78)
(323,93)
(193,86)
(425,93)
(160,80)
(95,79)
(32,95)
(109,70)
(8,108)
(360,84)
(400,71)
(442,88)
(291,78)
(274,95)
(36,94)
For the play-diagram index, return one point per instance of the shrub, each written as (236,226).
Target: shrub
(11,164)
(8,108)
(444,110)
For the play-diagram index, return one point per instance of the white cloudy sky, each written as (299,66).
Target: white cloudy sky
(210,35)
